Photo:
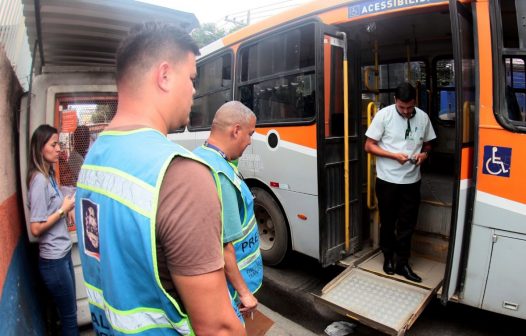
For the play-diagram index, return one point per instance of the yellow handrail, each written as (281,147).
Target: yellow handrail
(367,72)
(346,145)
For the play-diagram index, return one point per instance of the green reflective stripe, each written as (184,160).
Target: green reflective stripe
(145,129)
(241,264)
(119,186)
(247,229)
(135,320)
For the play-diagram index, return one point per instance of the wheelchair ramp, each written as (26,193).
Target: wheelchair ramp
(380,301)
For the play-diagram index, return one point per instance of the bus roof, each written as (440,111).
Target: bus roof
(329,11)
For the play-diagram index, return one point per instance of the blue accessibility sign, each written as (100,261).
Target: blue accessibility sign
(376,6)
(497,161)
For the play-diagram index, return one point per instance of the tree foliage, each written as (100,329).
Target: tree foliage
(210,32)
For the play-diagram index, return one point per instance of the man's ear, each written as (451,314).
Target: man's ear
(163,76)
(236,128)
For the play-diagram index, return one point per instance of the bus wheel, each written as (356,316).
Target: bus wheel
(273,233)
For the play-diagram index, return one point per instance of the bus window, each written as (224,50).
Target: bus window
(393,74)
(511,101)
(213,87)
(277,79)
(445,90)
(515,90)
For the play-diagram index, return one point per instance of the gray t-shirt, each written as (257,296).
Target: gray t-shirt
(44,200)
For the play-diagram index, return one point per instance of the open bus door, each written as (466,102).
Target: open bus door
(391,303)
(464,63)
(339,148)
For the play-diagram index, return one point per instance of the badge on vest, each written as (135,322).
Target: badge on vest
(90,227)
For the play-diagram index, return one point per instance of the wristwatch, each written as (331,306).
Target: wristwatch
(60,212)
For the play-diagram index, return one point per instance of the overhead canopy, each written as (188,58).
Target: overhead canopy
(88,32)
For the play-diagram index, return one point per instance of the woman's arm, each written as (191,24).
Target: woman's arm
(38,228)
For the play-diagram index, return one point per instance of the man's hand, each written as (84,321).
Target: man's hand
(420,158)
(400,157)
(249,304)
(371,146)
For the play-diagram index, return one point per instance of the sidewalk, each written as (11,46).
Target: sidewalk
(279,325)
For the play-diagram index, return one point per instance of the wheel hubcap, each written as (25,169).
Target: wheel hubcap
(266,228)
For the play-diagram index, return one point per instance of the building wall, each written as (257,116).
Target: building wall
(20,312)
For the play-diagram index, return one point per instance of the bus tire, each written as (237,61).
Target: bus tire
(273,231)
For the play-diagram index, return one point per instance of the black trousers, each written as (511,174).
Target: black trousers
(398,205)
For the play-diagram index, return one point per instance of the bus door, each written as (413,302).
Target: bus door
(339,188)
(463,52)
(364,292)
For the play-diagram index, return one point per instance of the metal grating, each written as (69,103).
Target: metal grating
(81,119)
(385,302)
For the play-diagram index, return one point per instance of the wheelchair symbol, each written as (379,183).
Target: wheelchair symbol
(494,164)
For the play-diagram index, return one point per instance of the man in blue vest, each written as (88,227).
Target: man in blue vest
(231,133)
(159,267)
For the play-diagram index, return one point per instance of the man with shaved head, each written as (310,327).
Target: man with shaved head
(231,133)
(159,269)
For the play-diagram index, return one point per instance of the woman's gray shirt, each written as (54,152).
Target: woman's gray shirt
(44,200)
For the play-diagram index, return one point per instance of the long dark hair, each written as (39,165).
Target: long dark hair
(36,162)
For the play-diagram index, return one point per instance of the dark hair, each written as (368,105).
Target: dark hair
(148,42)
(36,159)
(405,92)
(81,137)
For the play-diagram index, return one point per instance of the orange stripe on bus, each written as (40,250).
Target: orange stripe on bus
(485,65)
(299,135)
(466,170)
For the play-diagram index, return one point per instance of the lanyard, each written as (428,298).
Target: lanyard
(223,155)
(217,149)
(408,129)
(53,183)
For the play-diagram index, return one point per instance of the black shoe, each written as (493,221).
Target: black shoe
(389,267)
(406,271)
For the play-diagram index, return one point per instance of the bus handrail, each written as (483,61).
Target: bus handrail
(346,145)
(366,80)
(371,110)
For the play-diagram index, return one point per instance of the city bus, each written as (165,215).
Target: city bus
(315,76)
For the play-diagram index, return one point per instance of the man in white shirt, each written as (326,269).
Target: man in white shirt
(399,136)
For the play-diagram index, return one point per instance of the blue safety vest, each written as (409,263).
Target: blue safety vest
(116,205)
(248,255)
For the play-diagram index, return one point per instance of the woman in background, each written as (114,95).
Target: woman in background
(48,210)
